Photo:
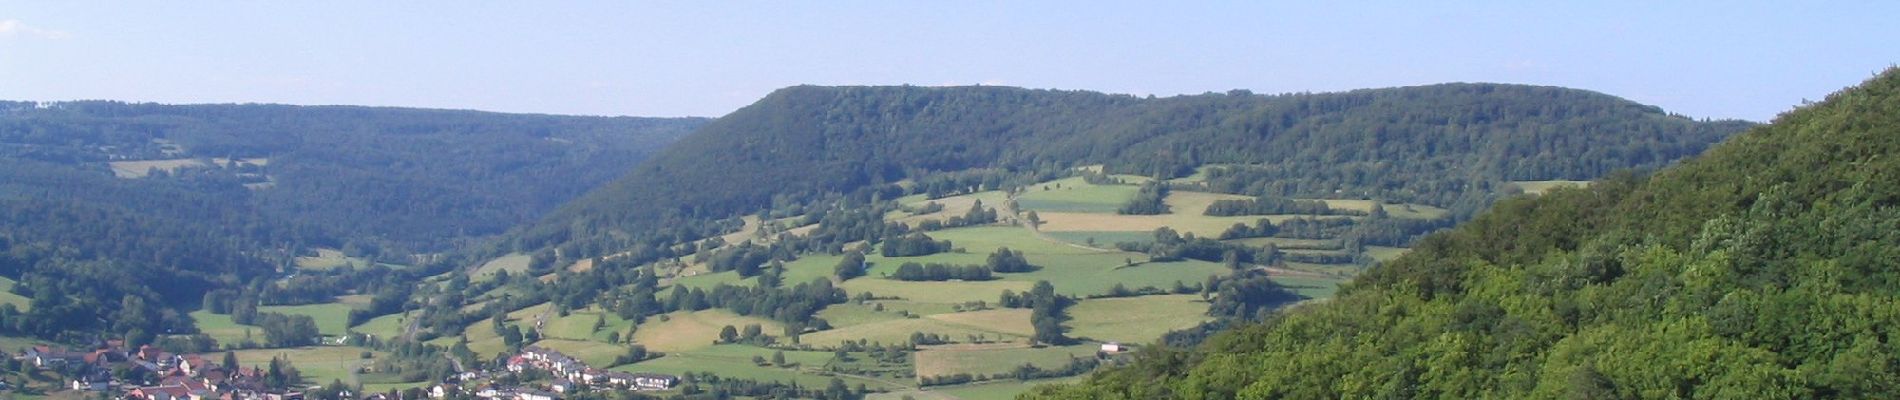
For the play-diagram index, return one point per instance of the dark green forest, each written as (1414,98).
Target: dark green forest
(102,253)
(1762,269)
(1451,145)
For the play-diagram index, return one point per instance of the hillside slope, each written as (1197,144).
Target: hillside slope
(146,207)
(1417,144)
(1763,269)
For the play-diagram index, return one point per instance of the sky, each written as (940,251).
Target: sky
(1731,59)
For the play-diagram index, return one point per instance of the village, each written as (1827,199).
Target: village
(113,370)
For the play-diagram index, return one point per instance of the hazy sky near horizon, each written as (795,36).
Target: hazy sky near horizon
(1748,60)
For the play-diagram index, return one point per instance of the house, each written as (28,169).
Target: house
(443,390)
(562,386)
(642,381)
(531,394)
(163,392)
(91,384)
(48,357)
(1113,347)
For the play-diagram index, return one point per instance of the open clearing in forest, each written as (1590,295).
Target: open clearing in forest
(1075,195)
(1135,320)
(333,319)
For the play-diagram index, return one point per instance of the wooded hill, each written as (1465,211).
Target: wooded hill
(1450,145)
(145,207)
(1762,269)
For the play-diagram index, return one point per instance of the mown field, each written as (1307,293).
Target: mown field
(333,319)
(1135,320)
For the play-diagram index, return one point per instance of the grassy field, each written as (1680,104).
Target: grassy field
(1102,239)
(733,361)
(1011,321)
(1309,286)
(1075,195)
(684,331)
(1539,187)
(332,318)
(1288,243)
(221,328)
(847,315)
(896,331)
(319,365)
(579,325)
(1135,320)
(385,327)
(481,335)
(948,360)
(952,206)
(997,390)
(515,264)
(1097,274)
(597,354)
(8,297)
(14,344)
(1384,254)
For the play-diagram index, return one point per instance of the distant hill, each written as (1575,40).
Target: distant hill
(1762,269)
(162,202)
(1427,145)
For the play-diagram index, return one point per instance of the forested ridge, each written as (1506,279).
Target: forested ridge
(1451,145)
(260,185)
(1761,269)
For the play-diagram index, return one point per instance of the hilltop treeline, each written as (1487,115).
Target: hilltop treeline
(1763,269)
(1447,145)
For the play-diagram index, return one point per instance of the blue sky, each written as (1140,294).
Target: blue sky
(1744,60)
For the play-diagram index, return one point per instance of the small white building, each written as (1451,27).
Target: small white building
(1113,347)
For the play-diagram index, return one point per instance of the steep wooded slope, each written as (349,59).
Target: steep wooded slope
(1763,269)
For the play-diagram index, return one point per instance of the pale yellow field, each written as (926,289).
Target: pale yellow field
(1195,203)
(695,330)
